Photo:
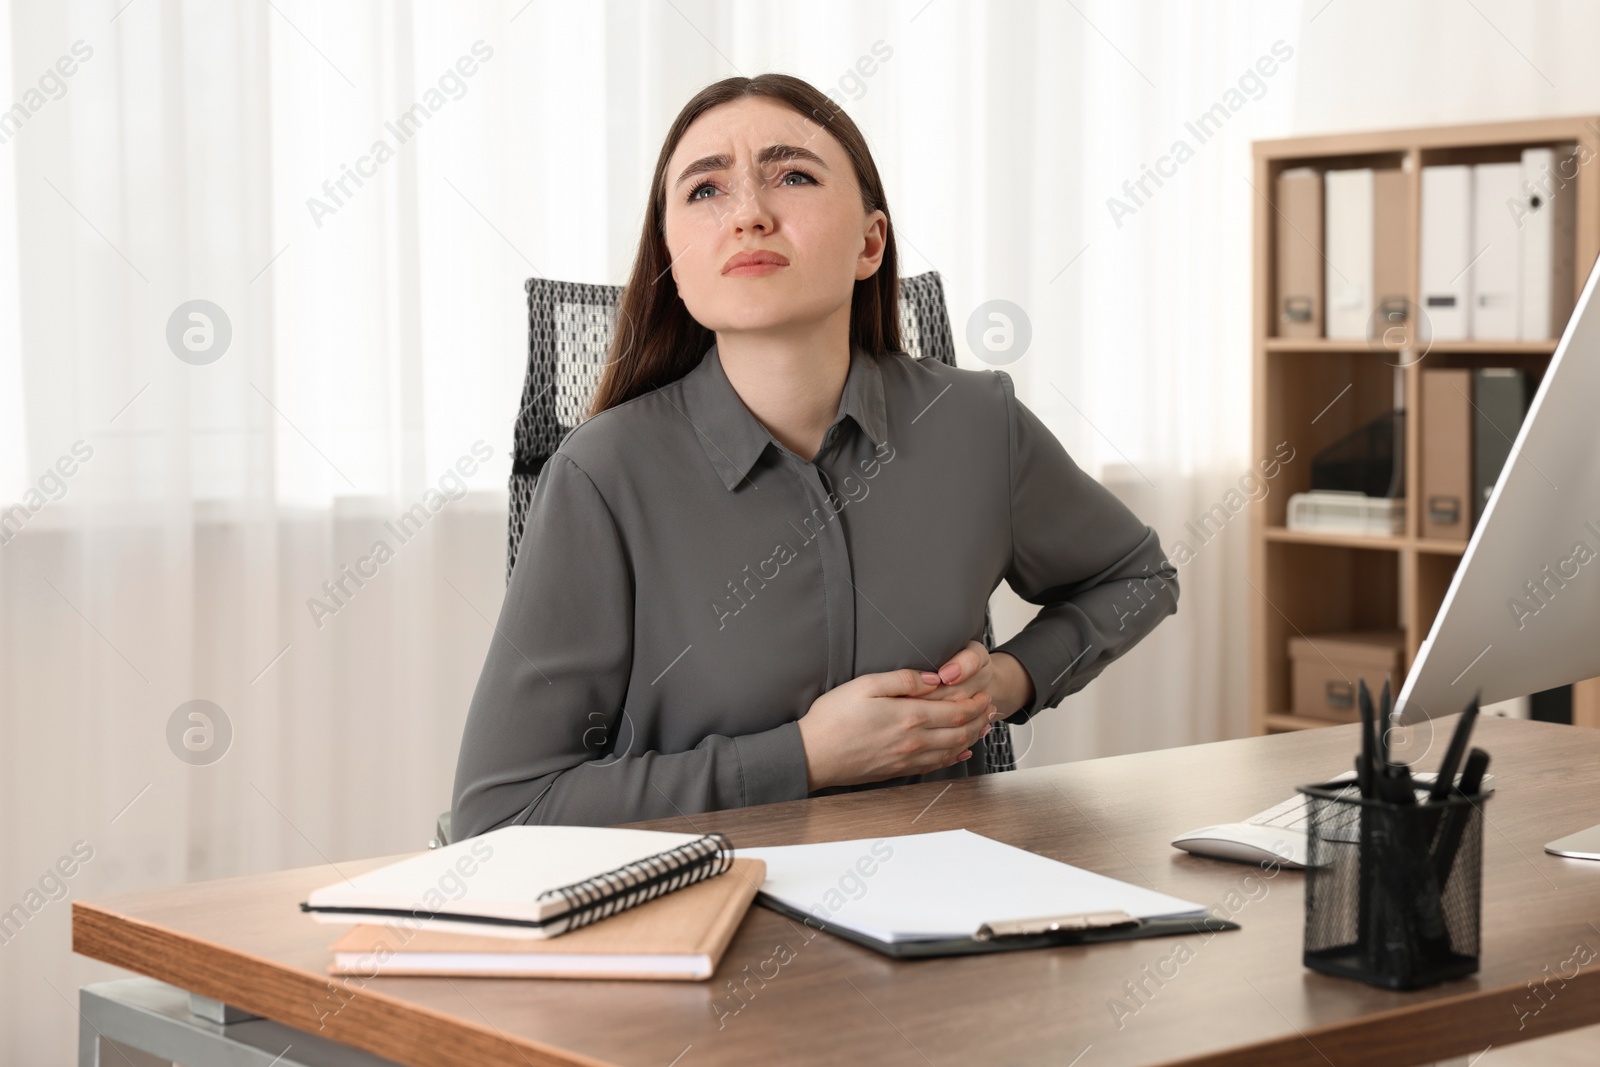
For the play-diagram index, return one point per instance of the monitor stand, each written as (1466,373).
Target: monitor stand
(1583,845)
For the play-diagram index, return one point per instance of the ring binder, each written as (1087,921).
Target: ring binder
(606,894)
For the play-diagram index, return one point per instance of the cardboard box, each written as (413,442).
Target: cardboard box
(1325,669)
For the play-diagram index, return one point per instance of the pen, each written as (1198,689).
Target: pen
(1455,825)
(1405,791)
(1394,785)
(1385,709)
(1380,723)
(1421,925)
(1472,774)
(1364,767)
(1458,747)
(1368,904)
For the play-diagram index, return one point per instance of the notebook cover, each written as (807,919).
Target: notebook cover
(496,877)
(966,946)
(697,920)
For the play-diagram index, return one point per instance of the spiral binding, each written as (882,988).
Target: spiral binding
(634,883)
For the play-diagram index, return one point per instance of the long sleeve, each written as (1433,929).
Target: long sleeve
(1098,572)
(537,744)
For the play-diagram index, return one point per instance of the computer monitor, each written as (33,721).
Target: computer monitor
(1522,613)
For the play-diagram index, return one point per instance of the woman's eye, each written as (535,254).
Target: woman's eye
(694,194)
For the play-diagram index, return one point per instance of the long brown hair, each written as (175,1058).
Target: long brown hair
(656,340)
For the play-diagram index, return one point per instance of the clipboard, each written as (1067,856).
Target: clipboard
(1048,932)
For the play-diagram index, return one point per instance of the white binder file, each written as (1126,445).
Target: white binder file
(1447,251)
(1496,194)
(1546,217)
(1348,200)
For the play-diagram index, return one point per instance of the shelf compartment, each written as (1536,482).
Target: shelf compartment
(1313,589)
(1310,404)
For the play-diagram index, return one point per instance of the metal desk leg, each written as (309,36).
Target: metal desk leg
(150,1024)
(96,1050)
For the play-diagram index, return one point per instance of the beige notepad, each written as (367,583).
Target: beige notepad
(680,936)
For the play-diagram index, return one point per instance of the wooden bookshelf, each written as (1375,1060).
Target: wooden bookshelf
(1309,583)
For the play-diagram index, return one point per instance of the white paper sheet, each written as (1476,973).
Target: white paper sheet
(916,887)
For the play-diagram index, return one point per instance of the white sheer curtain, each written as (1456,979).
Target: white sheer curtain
(1139,286)
(230,154)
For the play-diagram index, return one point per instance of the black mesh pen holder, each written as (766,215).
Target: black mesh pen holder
(1393,891)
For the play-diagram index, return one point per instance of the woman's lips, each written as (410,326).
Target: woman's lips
(753,269)
(760,261)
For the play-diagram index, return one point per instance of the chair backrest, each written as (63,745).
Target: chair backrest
(570,325)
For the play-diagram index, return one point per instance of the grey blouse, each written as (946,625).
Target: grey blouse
(686,586)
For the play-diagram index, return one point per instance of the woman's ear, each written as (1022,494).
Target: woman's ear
(875,241)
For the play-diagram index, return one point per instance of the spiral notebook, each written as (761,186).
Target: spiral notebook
(524,881)
(678,936)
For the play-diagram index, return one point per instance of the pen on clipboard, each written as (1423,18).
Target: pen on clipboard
(1089,920)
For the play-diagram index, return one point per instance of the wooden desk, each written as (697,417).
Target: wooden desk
(1240,998)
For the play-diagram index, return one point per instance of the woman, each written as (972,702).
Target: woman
(757,571)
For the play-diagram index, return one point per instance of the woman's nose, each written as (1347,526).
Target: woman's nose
(749,209)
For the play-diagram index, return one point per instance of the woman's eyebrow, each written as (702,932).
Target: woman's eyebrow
(770,154)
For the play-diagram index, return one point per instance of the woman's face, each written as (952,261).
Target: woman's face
(757,176)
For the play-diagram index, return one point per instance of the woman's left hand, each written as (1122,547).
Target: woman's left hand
(975,668)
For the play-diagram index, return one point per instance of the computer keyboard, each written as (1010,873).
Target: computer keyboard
(1294,813)
(1278,834)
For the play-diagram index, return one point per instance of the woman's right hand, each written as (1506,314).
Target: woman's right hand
(876,727)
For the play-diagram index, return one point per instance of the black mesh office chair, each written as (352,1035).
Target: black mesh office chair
(570,325)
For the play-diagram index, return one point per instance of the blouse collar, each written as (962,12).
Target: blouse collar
(734,439)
